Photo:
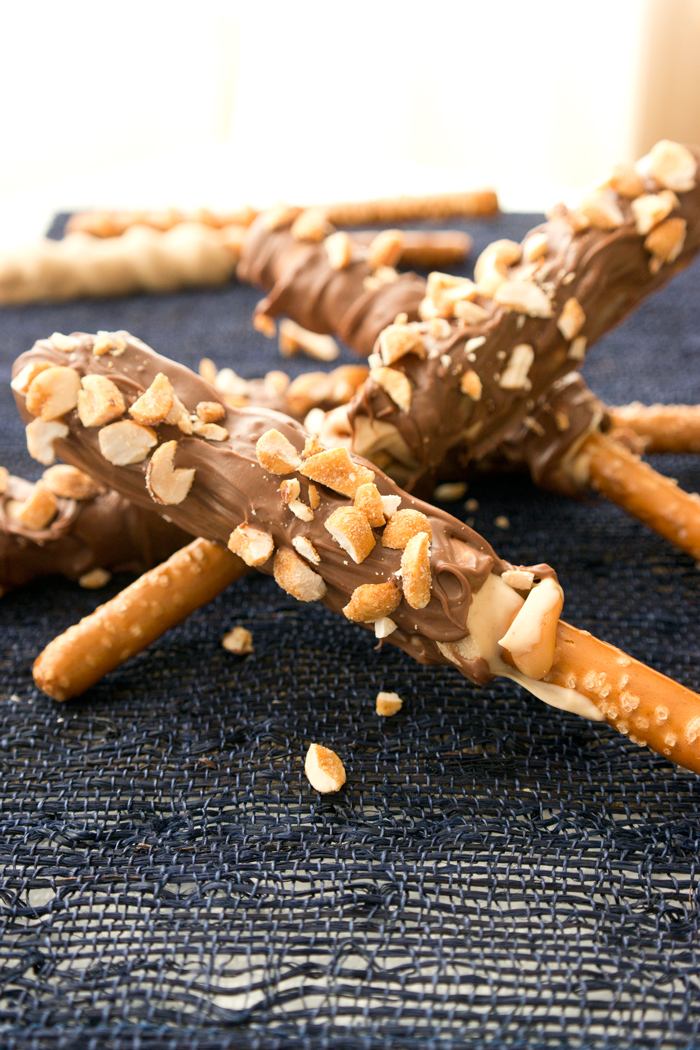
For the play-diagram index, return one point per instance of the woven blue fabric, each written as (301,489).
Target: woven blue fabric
(495,873)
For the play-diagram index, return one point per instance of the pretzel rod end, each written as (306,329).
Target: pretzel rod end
(158,600)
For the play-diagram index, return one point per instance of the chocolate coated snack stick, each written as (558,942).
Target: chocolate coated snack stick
(349,537)
(66,525)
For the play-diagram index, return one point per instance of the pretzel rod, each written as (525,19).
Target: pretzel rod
(145,610)
(663,428)
(105,223)
(142,260)
(641,703)
(408,571)
(114,223)
(67,525)
(428,249)
(624,478)
(383,211)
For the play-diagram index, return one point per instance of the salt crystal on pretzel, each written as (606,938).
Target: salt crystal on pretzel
(455,606)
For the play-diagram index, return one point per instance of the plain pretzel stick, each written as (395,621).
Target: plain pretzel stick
(636,700)
(430,249)
(663,428)
(624,478)
(114,223)
(403,209)
(155,602)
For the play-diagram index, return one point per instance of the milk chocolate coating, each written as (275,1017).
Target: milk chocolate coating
(231,487)
(104,532)
(607,271)
(301,282)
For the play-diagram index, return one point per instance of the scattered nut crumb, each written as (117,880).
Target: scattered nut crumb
(324,769)
(95,579)
(501,522)
(239,641)
(449,491)
(471,505)
(388,704)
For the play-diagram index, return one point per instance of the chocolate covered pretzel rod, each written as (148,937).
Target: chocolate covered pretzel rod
(330,528)
(67,525)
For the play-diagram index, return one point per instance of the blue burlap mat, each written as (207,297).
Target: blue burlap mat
(494,873)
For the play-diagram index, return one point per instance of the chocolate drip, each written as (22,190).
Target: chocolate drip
(104,532)
(231,487)
(301,282)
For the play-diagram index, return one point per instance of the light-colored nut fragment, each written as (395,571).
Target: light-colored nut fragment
(673,166)
(210,411)
(300,510)
(279,216)
(24,377)
(599,209)
(388,704)
(373,601)
(108,343)
(397,340)
(210,431)
(69,482)
(385,249)
(155,403)
(53,392)
(306,549)
(324,769)
(290,489)
(307,391)
(415,571)
(312,447)
(337,471)
(381,276)
(125,442)
(40,439)
(95,579)
(443,292)
(535,247)
(403,526)
(165,483)
(66,343)
(571,319)
(229,383)
(99,401)
(531,637)
(314,497)
(665,242)
(470,384)
(276,453)
(339,250)
(519,579)
(275,382)
(626,180)
(264,324)
(293,338)
(524,297)
(577,349)
(311,225)
(384,626)
(369,501)
(238,641)
(314,421)
(652,208)
(449,491)
(515,375)
(349,527)
(469,313)
(395,384)
(295,577)
(252,545)
(179,417)
(491,268)
(39,508)
(390,505)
